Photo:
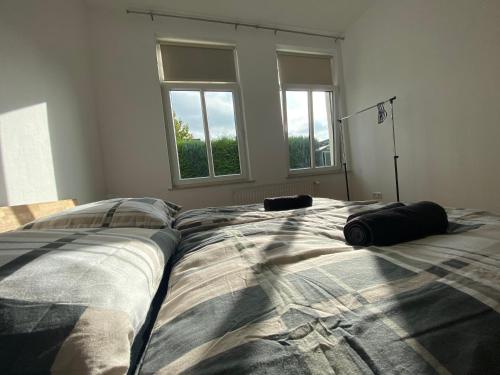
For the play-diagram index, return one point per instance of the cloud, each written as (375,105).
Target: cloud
(187,108)
(298,114)
(220,112)
(321,113)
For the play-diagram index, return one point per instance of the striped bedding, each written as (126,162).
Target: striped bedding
(112,213)
(73,301)
(282,293)
(203,219)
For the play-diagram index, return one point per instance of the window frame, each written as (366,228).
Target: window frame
(310,88)
(202,87)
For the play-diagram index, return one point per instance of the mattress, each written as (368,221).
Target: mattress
(274,293)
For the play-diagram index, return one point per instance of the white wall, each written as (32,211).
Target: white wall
(441,58)
(130,109)
(49,147)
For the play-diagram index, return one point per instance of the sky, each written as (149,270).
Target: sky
(297,114)
(220,113)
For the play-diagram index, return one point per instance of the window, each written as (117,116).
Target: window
(307,93)
(203,115)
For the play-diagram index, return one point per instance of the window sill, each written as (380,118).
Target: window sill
(197,185)
(314,172)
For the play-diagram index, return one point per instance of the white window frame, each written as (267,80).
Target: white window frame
(313,169)
(202,87)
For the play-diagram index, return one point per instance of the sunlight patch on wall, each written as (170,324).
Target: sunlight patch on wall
(26,156)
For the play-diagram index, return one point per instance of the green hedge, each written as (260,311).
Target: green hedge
(225,156)
(298,148)
(193,156)
(298,151)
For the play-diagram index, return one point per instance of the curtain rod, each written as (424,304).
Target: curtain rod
(366,109)
(233,23)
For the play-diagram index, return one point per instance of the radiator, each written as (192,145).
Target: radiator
(258,193)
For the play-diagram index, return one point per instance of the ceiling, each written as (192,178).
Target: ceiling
(332,16)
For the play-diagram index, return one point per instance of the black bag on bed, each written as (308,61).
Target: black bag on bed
(287,203)
(395,225)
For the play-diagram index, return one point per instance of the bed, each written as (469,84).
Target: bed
(77,287)
(249,291)
(282,293)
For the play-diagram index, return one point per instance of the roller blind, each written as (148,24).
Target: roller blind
(194,63)
(305,69)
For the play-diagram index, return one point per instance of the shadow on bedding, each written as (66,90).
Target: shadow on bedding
(361,311)
(240,331)
(312,304)
(440,310)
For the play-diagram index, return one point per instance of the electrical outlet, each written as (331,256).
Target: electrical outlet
(377,195)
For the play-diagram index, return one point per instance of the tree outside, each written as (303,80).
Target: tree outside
(182,132)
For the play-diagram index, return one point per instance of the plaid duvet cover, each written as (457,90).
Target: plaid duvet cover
(287,295)
(145,212)
(72,301)
(204,219)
